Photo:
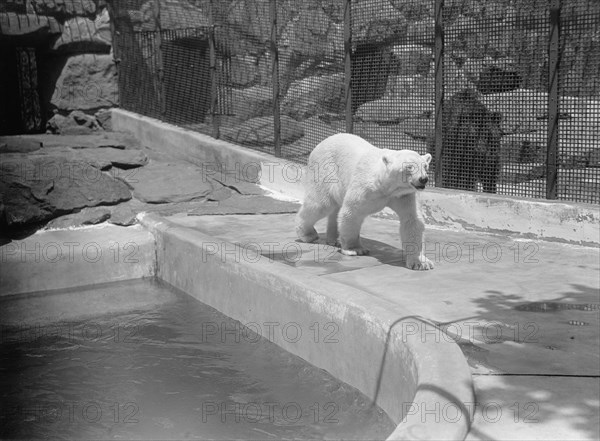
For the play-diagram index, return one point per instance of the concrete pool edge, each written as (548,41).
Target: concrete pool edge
(69,258)
(561,221)
(425,386)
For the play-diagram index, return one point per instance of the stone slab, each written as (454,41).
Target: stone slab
(118,140)
(87,216)
(241,204)
(160,182)
(39,188)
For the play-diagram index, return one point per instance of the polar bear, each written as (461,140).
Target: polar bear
(348,179)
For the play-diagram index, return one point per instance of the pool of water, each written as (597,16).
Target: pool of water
(176,369)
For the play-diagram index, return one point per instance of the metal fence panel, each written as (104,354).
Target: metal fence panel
(311,77)
(504,94)
(578,157)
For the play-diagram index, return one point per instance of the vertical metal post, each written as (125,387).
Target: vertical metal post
(553,99)
(212,53)
(439,89)
(116,43)
(348,64)
(275,76)
(159,62)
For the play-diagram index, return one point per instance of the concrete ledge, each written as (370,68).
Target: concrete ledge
(60,259)
(362,340)
(574,223)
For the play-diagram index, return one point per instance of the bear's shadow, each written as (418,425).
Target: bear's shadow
(382,252)
(320,258)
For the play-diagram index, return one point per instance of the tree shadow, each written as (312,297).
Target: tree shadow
(546,401)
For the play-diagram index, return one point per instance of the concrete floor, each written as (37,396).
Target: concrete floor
(525,313)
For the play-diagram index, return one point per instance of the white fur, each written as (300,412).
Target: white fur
(349,179)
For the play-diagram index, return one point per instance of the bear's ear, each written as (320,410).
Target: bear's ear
(427,158)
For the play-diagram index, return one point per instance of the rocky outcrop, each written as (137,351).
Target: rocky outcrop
(87,82)
(313,96)
(260,131)
(76,123)
(38,188)
(81,34)
(64,8)
(34,28)
(405,97)
(46,176)
(71,68)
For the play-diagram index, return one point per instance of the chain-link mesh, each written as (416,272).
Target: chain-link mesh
(392,76)
(579,106)
(519,112)
(311,77)
(495,95)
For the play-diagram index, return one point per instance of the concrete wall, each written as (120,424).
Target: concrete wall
(575,223)
(62,259)
(370,348)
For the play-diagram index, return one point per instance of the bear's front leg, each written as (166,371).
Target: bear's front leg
(411,232)
(350,221)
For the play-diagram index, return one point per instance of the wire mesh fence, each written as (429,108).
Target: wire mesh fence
(505,94)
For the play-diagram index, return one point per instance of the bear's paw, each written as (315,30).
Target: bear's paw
(358,251)
(310,236)
(420,263)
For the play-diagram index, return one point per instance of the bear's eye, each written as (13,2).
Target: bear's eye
(411,168)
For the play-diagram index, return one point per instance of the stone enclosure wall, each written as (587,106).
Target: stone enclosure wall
(61,69)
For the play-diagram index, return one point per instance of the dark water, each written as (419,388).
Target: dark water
(181,370)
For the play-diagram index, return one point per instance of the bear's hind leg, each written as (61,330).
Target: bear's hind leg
(306,218)
(332,227)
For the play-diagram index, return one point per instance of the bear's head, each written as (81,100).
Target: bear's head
(406,169)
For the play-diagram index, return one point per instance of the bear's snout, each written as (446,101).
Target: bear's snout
(419,183)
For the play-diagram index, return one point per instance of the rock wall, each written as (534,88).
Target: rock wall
(72,43)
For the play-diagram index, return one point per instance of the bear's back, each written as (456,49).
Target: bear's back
(343,149)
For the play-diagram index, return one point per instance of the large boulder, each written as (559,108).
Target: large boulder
(405,97)
(522,110)
(249,102)
(260,131)
(314,95)
(314,34)
(76,123)
(174,14)
(421,32)
(383,24)
(411,59)
(243,71)
(87,82)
